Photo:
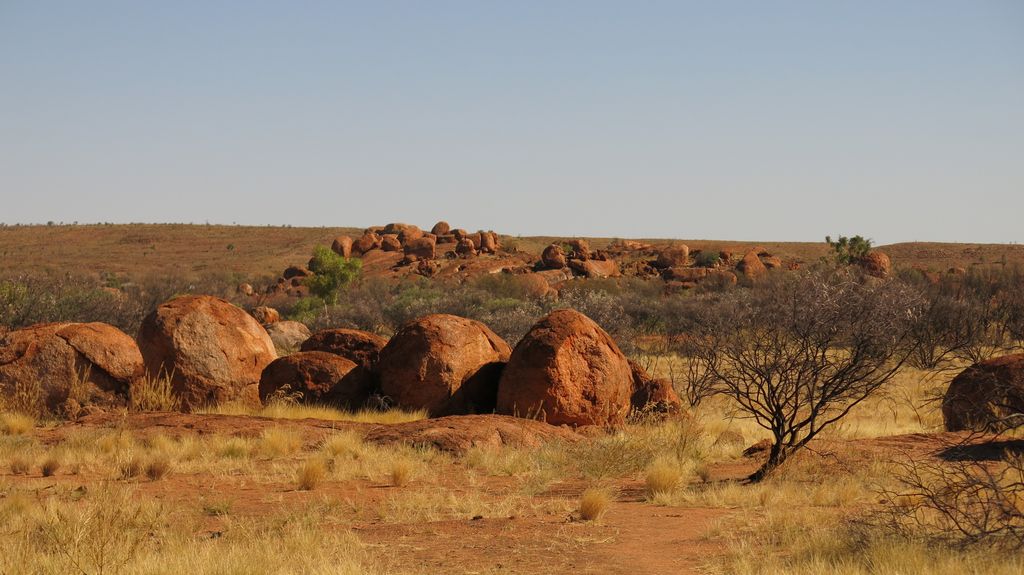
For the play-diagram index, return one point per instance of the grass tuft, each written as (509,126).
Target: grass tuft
(310,474)
(16,423)
(594,503)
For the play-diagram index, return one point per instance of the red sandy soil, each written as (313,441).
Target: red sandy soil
(633,538)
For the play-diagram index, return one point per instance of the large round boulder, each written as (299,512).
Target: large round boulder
(651,395)
(421,247)
(361,347)
(553,258)
(316,377)
(287,335)
(441,228)
(567,370)
(213,351)
(876,264)
(751,267)
(443,363)
(988,396)
(60,367)
(342,245)
(369,241)
(673,257)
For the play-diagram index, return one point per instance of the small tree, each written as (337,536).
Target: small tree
(848,250)
(798,353)
(331,272)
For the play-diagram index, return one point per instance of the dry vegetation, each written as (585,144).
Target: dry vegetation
(93,500)
(869,494)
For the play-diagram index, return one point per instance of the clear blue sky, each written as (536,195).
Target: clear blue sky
(733,120)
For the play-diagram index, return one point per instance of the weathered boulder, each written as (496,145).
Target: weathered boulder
(342,245)
(369,241)
(362,347)
(292,272)
(460,234)
(444,364)
(441,228)
(751,267)
(396,228)
(245,289)
(409,235)
(876,264)
(988,396)
(771,262)
(553,258)
(317,377)
(422,248)
(593,268)
(674,256)
(579,249)
(488,242)
(287,335)
(683,274)
(652,395)
(390,243)
(60,367)
(567,370)
(213,351)
(465,247)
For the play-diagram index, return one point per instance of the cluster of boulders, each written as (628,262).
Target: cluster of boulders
(565,370)
(419,249)
(576,255)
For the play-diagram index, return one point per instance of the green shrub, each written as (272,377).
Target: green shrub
(847,249)
(707,259)
(331,273)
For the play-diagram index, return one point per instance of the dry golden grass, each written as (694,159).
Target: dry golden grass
(290,410)
(278,442)
(310,474)
(16,423)
(153,393)
(19,465)
(664,476)
(594,503)
(157,468)
(130,467)
(401,473)
(49,466)
(119,531)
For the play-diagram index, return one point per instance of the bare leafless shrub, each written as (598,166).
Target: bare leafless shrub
(968,317)
(959,503)
(797,353)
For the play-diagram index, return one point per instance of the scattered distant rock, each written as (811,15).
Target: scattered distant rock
(342,245)
(751,267)
(390,243)
(672,257)
(595,268)
(422,248)
(287,335)
(553,258)
(876,264)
